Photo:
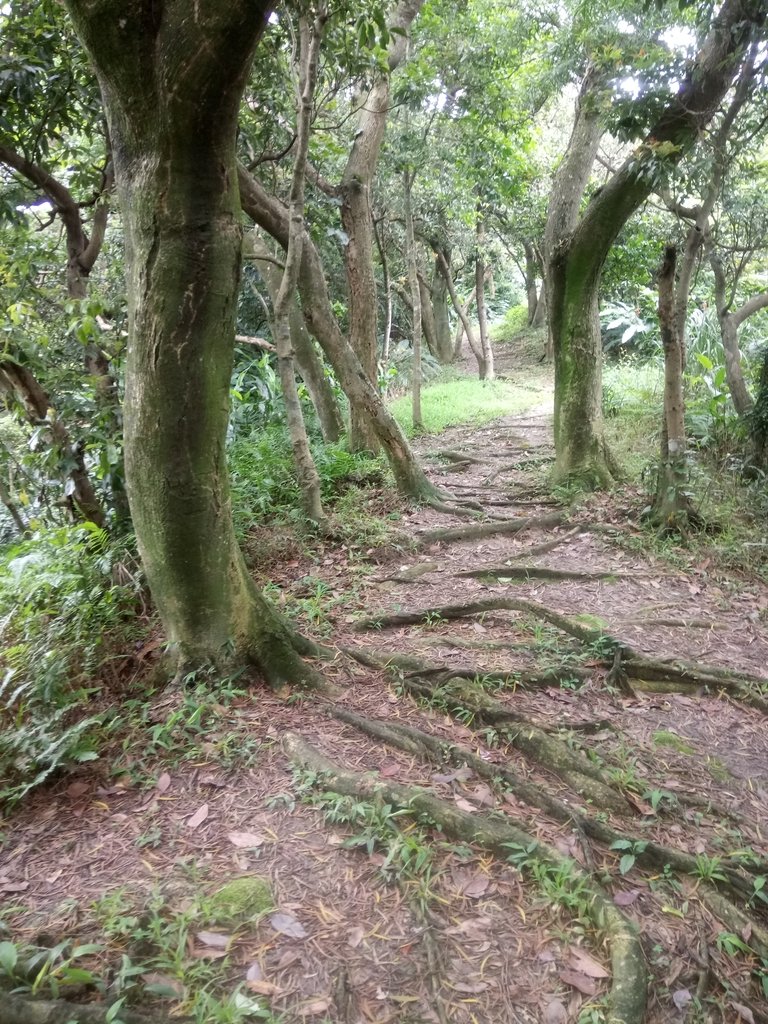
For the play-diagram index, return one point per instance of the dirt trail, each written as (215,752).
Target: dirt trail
(532,834)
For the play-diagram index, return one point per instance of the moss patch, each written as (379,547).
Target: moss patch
(243,899)
(671,739)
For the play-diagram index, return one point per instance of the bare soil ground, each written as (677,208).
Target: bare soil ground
(407,915)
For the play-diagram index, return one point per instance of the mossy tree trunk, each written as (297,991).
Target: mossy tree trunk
(577,259)
(438,289)
(171,79)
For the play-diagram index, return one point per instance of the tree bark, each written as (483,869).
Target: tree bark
(171,79)
(671,507)
(382,247)
(440,300)
(531,292)
(729,332)
(576,262)
(271,215)
(462,312)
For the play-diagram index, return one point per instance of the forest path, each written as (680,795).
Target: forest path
(496,817)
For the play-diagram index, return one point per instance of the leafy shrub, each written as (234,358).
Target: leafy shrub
(60,613)
(511,324)
(625,329)
(264,480)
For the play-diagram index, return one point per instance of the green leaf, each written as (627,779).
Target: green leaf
(9,957)
(626,863)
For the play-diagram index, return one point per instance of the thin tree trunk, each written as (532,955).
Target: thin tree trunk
(486,367)
(462,313)
(415,285)
(671,507)
(382,248)
(310,35)
(440,300)
(357,218)
(531,293)
(729,332)
(12,507)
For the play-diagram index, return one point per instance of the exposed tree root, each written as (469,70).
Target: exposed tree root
(509,467)
(550,753)
(513,679)
(411,574)
(473,532)
(455,456)
(737,685)
(736,882)
(15,1009)
(629,981)
(523,573)
(549,545)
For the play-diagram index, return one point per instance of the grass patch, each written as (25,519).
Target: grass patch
(664,738)
(454,402)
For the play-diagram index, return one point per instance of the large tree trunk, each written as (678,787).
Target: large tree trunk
(308,361)
(444,348)
(171,84)
(271,215)
(576,262)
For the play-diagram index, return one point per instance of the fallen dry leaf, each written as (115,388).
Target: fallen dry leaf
(288,959)
(215,939)
(263,988)
(288,925)
(626,897)
(464,805)
(198,817)
(315,1008)
(8,886)
(555,1013)
(355,936)
(163,985)
(581,982)
(475,887)
(245,840)
(77,789)
(254,973)
(580,960)
(744,1012)
(163,783)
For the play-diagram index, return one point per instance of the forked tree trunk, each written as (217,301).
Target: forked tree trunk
(671,507)
(462,311)
(171,80)
(270,214)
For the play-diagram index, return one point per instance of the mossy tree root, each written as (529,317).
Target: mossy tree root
(736,882)
(629,979)
(511,679)
(16,1009)
(498,526)
(524,573)
(547,751)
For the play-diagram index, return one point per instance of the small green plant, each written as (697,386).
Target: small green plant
(708,868)
(33,970)
(630,850)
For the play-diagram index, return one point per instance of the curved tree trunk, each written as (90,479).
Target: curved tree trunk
(577,260)
(730,321)
(171,85)
(416,283)
(357,218)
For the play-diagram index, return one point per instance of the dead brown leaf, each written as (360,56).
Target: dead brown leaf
(555,1013)
(580,960)
(581,982)
(163,783)
(198,817)
(245,840)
